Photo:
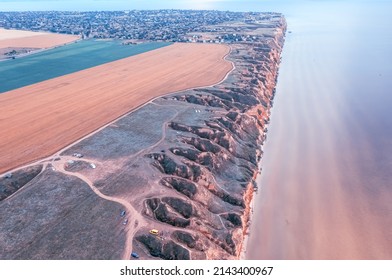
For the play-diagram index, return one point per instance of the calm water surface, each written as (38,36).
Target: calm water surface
(325,191)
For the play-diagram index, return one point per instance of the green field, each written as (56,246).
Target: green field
(64,60)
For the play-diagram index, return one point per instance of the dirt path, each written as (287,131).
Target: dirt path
(135,219)
(40,119)
(57,162)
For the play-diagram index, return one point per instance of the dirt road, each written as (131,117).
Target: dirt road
(38,120)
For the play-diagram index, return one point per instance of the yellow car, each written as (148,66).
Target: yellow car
(154,231)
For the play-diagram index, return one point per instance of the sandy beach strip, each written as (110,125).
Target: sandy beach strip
(40,119)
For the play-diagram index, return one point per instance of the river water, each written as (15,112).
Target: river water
(325,191)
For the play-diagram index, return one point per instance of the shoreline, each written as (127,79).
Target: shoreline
(242,254)
(327,177)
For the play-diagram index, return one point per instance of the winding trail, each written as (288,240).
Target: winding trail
(39,119)
(135,219)
(58,161)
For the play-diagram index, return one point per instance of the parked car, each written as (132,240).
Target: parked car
(77,155)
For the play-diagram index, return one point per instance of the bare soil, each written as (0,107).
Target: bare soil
(20,42)
(32,228)
(38,120)
(28,39)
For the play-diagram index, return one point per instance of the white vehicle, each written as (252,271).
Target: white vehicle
(77,155)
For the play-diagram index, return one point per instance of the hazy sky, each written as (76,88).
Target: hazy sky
(236,5)
(233,5)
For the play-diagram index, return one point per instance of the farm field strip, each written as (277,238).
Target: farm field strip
(38,120)
(65,60)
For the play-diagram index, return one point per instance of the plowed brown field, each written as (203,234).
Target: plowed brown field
(27,39)
(38,120)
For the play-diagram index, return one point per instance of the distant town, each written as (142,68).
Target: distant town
(153,25)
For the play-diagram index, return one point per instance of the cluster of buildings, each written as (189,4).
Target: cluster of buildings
(152,25)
